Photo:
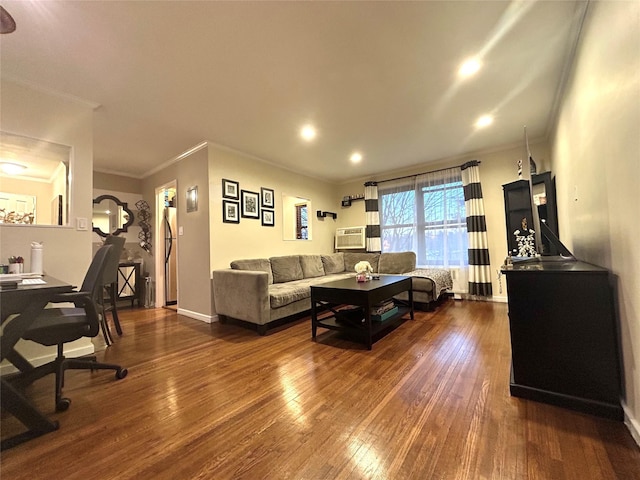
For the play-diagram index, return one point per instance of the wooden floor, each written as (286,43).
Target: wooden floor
(430,401)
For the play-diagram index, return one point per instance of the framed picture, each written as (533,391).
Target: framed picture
(230,189)
(192,199)
(266,198)
(268,218)
(230,212)
(250,204)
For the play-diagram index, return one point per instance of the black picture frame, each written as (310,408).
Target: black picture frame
(230,189)
(268,218)
(250,204)
(230,211)
(266,198)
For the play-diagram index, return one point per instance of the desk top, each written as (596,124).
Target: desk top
(15,300)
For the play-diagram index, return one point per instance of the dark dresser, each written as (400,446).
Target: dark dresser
(564,336)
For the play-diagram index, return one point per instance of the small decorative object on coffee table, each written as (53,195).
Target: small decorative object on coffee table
(363,270)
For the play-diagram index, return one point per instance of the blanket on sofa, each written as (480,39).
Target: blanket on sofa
(441,278)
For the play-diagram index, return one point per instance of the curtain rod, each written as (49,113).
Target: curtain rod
(478,162)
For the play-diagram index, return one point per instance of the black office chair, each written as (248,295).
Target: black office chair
(12,400)
(57,326)
(110,281)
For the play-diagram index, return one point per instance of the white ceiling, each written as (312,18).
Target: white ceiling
(378,77)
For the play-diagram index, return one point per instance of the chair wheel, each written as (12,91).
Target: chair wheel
(63,404)
(121,373)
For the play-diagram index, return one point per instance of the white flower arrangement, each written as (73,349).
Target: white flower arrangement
(526,243)
(363,267)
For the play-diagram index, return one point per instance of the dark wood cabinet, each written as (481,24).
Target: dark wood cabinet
(517,204)
(564,342)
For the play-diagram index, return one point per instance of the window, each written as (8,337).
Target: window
(302,222)
(426,214)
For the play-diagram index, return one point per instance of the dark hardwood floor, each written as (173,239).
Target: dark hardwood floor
(430,401)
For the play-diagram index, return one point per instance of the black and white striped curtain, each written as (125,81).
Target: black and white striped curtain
(372,217)
(479,265)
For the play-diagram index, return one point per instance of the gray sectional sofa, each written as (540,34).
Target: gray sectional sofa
(266,292)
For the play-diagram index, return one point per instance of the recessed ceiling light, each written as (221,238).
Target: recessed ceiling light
(469,67)
(484,121)
(308,132)
(11,168)
(356,157)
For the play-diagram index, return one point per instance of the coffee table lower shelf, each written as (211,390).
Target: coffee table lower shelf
(328,296)
(331,323)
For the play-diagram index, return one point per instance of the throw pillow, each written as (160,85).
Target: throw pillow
(333,263)
(397,262)
(311,266)
(286,268)
(351,258)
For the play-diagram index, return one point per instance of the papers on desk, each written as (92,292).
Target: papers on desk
(33,281)
(18,276)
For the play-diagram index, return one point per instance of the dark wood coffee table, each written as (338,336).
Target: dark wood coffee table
(348,291)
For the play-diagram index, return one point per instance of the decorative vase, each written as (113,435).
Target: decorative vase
(361,277)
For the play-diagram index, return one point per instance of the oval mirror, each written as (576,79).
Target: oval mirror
(110,216)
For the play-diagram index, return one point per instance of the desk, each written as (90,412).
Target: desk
(26,300)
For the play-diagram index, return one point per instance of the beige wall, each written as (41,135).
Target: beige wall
(498,167)
(249,239)
(194,274)
(118,183)
(596,153)
(67,251)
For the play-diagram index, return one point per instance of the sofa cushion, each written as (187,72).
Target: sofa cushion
(333,263)
(286,268)
(255,264)
(351,258)
(282,294)
(397,262)
(311,266)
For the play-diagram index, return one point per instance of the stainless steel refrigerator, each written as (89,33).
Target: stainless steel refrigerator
(170,254)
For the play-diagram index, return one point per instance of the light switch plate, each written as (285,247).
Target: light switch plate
(180,231)
(81,224)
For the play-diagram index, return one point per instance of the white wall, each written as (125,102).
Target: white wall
(67,251)
(596,156)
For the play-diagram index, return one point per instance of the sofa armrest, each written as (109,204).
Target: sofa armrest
(242,294)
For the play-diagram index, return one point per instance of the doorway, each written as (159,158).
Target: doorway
(167,246)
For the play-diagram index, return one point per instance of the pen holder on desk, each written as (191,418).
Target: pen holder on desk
(16,267)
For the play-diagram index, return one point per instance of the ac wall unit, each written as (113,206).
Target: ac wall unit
(350,238)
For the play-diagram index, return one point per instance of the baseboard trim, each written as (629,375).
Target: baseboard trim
(197,316)
(612,411)
(500,299)
(7,367)
(632,423)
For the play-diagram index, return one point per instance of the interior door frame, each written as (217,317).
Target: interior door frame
(159,243)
